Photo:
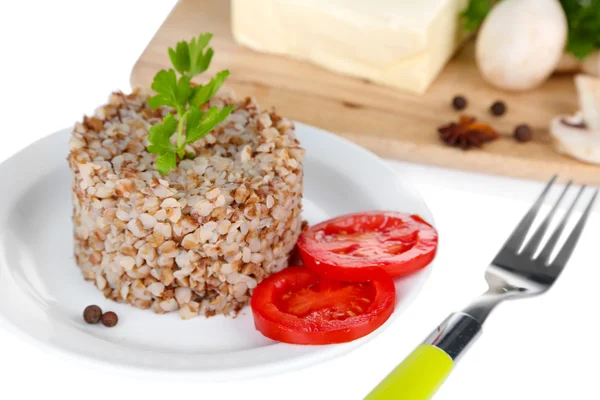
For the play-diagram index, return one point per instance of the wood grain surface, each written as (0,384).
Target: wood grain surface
(387,121)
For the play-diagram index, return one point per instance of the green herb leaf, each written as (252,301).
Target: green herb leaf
(201,94)
(160,143)
(165,85)
(160,136)
(199,125)
(180,57)
(475,13)
(199,58)
(184,90)
(194,117)
(166,162)
(170,92)
(583,18)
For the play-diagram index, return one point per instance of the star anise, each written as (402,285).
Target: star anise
(467,133)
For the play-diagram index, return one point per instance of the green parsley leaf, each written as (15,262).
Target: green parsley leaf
(160,136)
(201,94)
(170,92)
(184,90)
(475,13)
(194,117)
(166,162)
(200,124)
(200,59)
(165,85)
(180,57)
(583,18)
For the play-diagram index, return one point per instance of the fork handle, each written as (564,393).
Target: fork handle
(420,375)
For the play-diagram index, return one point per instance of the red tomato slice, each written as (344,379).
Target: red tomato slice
(352,247)
(298,306)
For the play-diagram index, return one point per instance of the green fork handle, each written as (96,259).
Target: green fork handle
(417,378)
(421,374)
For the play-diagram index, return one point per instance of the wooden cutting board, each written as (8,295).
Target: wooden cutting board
(387,121)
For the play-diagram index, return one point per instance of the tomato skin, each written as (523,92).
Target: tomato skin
(417,245)
(273,321)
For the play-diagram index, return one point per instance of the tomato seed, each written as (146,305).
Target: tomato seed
(350,313)
(360,310)
(366,300)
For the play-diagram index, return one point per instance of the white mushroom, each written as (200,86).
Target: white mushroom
(579,135)
(577,142)
(521,42)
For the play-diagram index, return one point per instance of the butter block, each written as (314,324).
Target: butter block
(399,43)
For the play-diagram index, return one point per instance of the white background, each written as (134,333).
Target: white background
(60,59)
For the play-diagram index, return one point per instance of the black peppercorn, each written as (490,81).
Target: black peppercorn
(459,102)
(498,108)
(523,133)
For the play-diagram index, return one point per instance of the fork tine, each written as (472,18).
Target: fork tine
(537,237)
(549,246)
(565,252)
(517,238)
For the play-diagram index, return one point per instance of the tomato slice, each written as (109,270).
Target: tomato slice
(352,247)
(298,306)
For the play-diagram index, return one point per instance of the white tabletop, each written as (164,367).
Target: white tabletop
(61,59)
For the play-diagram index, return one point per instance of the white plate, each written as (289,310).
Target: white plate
(42,293)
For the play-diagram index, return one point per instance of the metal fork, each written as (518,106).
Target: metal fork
(520,269)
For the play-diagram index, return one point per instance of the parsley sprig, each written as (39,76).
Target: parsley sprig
(583,17)
(189,59)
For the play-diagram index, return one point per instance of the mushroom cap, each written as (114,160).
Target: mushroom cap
(578,142)
(521,42)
